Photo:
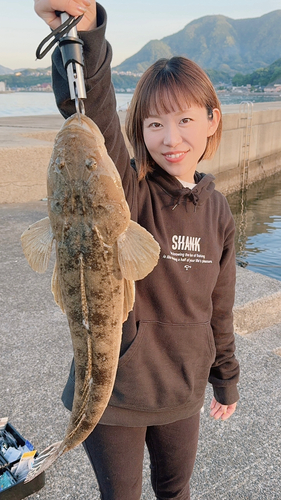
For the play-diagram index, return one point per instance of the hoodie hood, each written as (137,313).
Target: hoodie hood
(172,186)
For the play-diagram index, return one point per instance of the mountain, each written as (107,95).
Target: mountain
(217,42)
(5,71)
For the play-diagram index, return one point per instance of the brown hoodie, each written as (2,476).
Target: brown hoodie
(180,333)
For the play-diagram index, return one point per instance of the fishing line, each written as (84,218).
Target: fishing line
(57,34)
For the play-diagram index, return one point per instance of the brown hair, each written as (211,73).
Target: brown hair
(162,88)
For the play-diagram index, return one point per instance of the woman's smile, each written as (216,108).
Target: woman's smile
(175,157)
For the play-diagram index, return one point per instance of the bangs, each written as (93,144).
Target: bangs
(168,92)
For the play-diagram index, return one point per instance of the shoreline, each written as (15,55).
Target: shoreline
(226,108)
(55,120)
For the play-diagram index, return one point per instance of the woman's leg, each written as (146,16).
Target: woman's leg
(116,454)
(172,449)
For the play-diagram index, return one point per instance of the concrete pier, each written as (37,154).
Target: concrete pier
(26,145)
(237,460)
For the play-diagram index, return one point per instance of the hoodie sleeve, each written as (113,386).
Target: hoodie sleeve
(224,373)
(100,104)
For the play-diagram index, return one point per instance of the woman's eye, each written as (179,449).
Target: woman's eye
(185,120)
(155,125)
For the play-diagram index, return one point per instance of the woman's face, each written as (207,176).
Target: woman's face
(177,140)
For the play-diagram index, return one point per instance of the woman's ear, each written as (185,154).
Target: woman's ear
(214,121)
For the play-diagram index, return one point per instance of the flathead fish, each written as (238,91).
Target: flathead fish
(100,252)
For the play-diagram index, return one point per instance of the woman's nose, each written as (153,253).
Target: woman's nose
(172,136)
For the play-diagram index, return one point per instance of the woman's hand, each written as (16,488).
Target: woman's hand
(46,9)
(222,412)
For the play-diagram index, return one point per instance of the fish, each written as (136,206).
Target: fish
(100,253)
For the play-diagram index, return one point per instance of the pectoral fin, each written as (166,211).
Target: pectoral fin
(37,244)
(56,289)
(138,252)
(129,297)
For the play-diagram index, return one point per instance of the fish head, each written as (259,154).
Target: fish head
(84,186)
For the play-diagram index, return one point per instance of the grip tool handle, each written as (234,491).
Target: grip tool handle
(71,47)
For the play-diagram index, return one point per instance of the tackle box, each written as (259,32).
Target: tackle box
(19,489)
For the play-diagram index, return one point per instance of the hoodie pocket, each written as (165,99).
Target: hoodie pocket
(166,366)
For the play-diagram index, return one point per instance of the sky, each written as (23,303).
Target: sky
(130,25)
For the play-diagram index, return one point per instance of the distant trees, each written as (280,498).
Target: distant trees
(29,79)
(261,77)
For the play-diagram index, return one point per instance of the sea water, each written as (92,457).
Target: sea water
(40,103)
(257,215)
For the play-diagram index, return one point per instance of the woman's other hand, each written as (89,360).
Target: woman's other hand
(219,411)
(46,9)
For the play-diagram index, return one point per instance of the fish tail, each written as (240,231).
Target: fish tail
(44,460)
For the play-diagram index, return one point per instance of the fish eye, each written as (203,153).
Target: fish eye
(59,163)
(91,164)
(56,206)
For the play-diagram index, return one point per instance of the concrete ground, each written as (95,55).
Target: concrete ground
(237,459)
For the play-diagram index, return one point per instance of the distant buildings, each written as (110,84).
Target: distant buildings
(276,88)
(2,87)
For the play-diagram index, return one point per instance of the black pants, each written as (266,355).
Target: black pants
(116,454)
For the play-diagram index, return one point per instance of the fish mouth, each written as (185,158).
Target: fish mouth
(82,122)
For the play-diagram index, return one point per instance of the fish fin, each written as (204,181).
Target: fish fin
(138,252)
(44,460)
(129,297)
(37,243)
(56,289)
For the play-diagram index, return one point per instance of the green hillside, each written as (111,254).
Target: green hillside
(262,77)
(24,81)
(124,82)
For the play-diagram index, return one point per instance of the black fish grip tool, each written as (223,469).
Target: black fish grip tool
(71,47)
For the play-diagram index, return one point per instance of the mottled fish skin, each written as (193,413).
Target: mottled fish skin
(88,212)
(93,279)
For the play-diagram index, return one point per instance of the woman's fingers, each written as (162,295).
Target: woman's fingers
(223,412)
(46,9)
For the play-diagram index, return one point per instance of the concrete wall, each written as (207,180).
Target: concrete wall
(259,146)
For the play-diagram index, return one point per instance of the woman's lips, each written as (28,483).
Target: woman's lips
(175,157)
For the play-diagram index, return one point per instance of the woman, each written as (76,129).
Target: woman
(180,333)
